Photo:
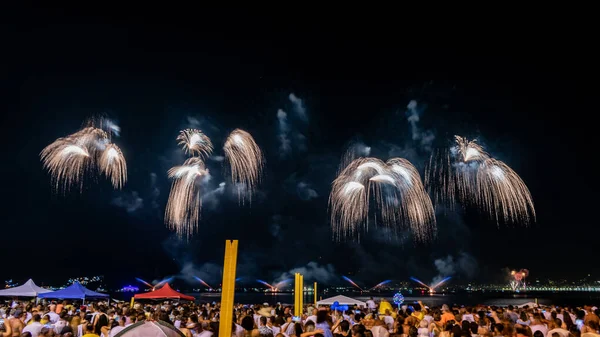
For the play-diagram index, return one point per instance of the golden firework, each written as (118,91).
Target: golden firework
(398,193)
(112,164)
(70,158)
(66,163)
(245,160)
(195,142)
(466,173)
(184,204)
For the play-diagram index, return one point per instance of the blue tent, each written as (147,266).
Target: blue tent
(74,291)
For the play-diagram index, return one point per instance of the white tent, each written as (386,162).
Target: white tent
(150,329)
(28,289)
(342,300)
(529,304)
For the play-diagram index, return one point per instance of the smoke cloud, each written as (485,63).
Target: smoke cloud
(210,199)
(423,138)
(155,191)
(289,135)
(464,265)
(131,202)
(312,271)
(285,144)
(298,106)
(305,192)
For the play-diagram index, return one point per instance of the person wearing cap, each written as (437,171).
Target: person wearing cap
(447,315)
(16,323)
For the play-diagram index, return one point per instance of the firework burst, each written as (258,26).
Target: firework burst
(466,173)
(87,151)
(245,159)
(195,143)
(183,207)
(396,188)
(66,163)
(112,164)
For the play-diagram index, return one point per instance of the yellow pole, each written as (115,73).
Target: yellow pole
(301,294)
(315,291)
(131,304)
(228,288)
(296,292)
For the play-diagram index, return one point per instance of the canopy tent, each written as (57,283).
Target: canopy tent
(342,300)
(166,292)
(529,304)
(150,329)
(27,289)
(74,291)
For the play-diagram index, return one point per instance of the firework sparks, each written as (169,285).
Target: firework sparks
(352,282)
(202,281)
(265,283)
(183,207)
(381,284)
(66,163)
(437,285)
(466,173)
(168,279)
(245,159)
(419,282)
(144,282)
(112,164)
(70,158)
(195,143)
(397,190)
(282,284)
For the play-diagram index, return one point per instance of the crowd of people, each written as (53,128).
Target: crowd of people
(29,319)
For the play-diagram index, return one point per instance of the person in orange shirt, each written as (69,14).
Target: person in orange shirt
(447,315)
(59,307)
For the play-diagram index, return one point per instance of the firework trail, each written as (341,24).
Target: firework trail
(245,159)
(168,279)
(381,284)
(397,190)
(419,282)
(202,281)
(87,151)
(195,143)
(265,283)
(435,286)
(112,164)
(144,282)
(281,284)
(466,173)
(183,207)
(352,282)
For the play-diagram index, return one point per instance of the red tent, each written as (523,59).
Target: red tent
(166,292)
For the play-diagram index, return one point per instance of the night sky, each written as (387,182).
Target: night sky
(155,80)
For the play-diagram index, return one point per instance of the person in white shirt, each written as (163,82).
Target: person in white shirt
(379,329)
(118,328)
(313,317)
(537,325)
(562,332)
(35,327)
(272,324)
(200,332)
(389,320)
(61,323)
(371,304)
